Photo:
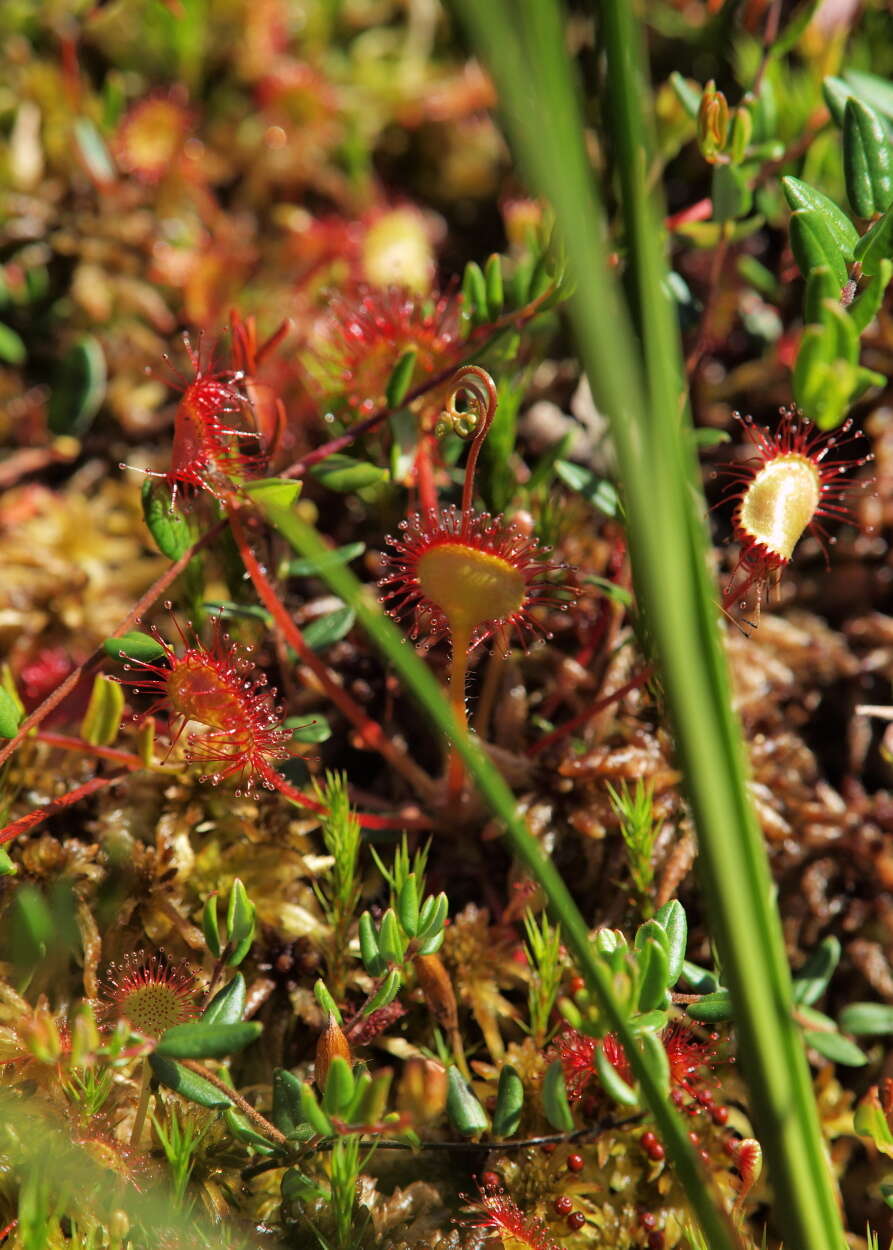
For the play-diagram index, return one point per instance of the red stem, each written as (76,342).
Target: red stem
(424,476)
(366,819)
(369,730)
(577,722)
(66,743)
(300,467)
(26,823)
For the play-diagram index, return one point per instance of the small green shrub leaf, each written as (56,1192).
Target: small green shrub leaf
(876,245)
(835,1047)
(555,1103)
(801,195)
(79,388)
(332,627)
(867,163)
(867,1019)
(344,474)
(715,1006)
(134,646)
(509,1102)
(102,720)
(188,1084)
(10,714)
(401,378)
(466,1114)
(198,1040)
(813,244)
(228,1005)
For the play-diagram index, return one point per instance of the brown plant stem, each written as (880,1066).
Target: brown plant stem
(370,732)
(250,1113)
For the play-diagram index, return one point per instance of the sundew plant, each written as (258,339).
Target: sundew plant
(445,518)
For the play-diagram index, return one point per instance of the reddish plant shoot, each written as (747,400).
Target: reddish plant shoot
(790,485)
(466,575)
(501,1214)
(217,687)
(368,329)
(206,453)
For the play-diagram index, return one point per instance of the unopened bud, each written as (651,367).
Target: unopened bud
(438,990)
(119,1225)
(84,1036)
(41,1035)
(742,130)
(713,123)
(749,1161)
(332,1042)
(423,1089)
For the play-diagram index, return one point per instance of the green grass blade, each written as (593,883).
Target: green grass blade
(525,50)
(421,682)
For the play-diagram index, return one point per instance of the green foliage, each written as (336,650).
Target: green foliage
(544,954)
(634,809)
(180,1135)
(339,893)
(230,945)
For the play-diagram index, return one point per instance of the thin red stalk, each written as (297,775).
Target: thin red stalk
(25,824)
(52,701)
(300,467)
(576,722)
(367,820)
(701,210)
(369,730)
(424,475)
(66,743)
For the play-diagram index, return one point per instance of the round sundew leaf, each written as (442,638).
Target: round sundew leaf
(134,646)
